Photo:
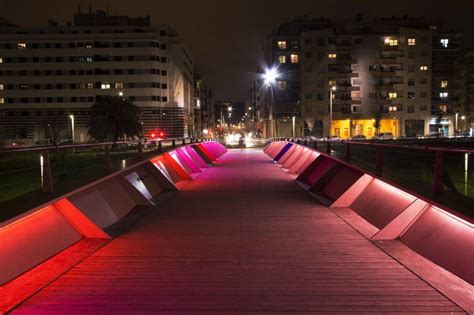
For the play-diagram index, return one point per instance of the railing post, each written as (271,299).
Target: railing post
(315,144)
(107,159)
(184,141)
(348,151)
(173,143)
(305,142)
(378,161)
(438,179)
(160,147)
(328,147)
(140,150)
(47,176)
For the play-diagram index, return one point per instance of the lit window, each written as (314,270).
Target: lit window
(1,60)
(282,44)
(444,42)
(2,100)
(332,56)
(392,108)
(443,108)
(90,85)
(119,85)
(282,59)
(411,42)
(392,95)
(423,68)
(281,85)
(105,86)
(88,45)
(21,45)
(332,82)
(1,86)
(444,84)
(443,94)
(391,42)
(294,58)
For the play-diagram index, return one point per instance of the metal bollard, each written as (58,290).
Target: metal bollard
(173,143)
(328,147)
(315,144)
(47,177)
(160,147)
(184,141)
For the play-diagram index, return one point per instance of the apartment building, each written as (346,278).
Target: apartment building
(377,68)
(51,76)
(467,116)
(283,52)
(448,79)
(204,106)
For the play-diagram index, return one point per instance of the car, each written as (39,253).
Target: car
(358,137)
(385,136)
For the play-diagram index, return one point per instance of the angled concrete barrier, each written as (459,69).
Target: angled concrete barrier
(208,154)
(381,211)
(444,239)
(186,160)
(215,148)
(287,154)
(198,157)
(30,239)
(285,148)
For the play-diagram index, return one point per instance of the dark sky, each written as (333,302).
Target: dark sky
(225,37)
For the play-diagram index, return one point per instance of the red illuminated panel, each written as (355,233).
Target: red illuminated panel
(444,239)
(185,159)
(288,154)
(206,152)
(379,203)
(195,157)
(169,161)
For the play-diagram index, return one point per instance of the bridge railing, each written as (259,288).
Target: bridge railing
(442,173)
(33,175)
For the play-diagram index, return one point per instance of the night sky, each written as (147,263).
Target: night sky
(226,37)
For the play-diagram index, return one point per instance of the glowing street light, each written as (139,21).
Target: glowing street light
(72,127)
(270,76)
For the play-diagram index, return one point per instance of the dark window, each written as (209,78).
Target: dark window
(130,44)
(164,86)
(131,58)
(35,59)
(164,99)
(411,109)
(49,100)
(163,46)
(411,82)
(164,72)
(308,41)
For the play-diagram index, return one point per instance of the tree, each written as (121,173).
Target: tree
(114,118)
(439,119)
(377,120)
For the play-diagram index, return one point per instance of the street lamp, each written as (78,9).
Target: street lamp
(269,78)
(72,127)
(332,90)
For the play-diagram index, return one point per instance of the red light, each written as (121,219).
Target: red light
(161,134)
(152,135)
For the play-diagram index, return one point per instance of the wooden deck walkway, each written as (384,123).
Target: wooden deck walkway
(243,237)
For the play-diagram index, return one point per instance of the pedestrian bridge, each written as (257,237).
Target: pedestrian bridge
(200,228)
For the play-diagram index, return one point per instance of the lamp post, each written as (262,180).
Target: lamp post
(269,78)
(72,128)
(332,90)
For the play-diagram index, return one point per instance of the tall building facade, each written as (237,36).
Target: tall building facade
(391,75)
(50,74)
(467,116)
(378,68)
(283,52)
(204,106)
